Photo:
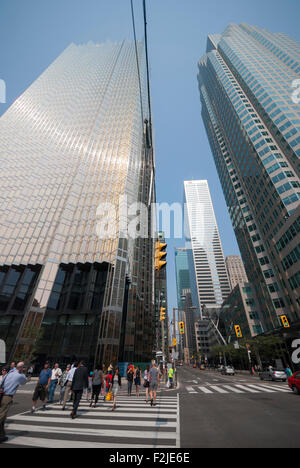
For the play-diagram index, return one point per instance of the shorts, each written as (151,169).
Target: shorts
(153,386)
(40,393)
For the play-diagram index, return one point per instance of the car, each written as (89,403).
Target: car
(294,383)
(273,374)
(228,370)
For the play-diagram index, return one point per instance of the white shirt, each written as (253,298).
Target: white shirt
(56,373)
(71,374)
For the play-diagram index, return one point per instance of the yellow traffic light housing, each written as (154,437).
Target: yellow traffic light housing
(181,328)
(159,255)
(162,314)
(174,342)
(285,321)
(238,331)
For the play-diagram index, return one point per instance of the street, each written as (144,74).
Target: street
(240,411)
(208,410)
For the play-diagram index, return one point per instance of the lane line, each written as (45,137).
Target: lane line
(55,443)
(96,422)
(205,390)
(218,389)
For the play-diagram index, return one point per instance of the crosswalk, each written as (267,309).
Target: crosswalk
(133,424)
(211,389)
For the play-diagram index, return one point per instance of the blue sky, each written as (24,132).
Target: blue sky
(34,32)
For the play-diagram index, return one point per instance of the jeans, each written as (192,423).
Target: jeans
(129,387)
(52,388)
(171,382)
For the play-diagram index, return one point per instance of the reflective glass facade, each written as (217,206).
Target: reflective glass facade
(205,244)
(253,125)
(72,142)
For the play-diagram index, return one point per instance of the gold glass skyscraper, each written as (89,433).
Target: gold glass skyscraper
(71,146)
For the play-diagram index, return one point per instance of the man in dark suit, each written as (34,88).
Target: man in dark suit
(79,383)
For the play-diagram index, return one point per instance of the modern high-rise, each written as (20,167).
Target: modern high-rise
(206,257)
(252,119)
(236,271)
(73,283)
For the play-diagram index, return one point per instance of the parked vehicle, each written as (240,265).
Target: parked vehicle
(273,374)
(228,370)
(294,383)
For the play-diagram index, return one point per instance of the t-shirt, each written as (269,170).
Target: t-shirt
(97,377)
(171,372)
(154,373)
(45,375)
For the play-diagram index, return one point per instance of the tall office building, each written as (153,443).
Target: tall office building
(206,257)
(187,310)
(253,124)
(71,146)
(236,270)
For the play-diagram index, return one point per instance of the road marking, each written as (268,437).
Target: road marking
(178,423)
(233,389)
(84,420)
(243,387)
(54,443)
(93,413)
(278,389)
(205,390)
(218,389)
(259,387)
(190,390)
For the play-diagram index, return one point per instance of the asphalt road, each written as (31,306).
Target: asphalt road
(208,410)
(226,412)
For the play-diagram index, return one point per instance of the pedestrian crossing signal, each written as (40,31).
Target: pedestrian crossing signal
(285,321)
(238,331)
(181,328)
(174,342)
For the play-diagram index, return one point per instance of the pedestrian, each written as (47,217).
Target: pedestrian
(42,386)
(108,382)
(68,383)
(62,383)
(90,386)
(115,386)
(154,382)
(98,382)
(288,372)
(4,372)
(137,380)
(147,382)
(130,375)
(171,377)
(55,376)
(30,372)
(8,388)
(79,383)
(13,366)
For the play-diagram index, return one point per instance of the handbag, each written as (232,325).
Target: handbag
(108,396)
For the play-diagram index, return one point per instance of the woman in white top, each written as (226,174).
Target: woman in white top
(115,386)
(147,382)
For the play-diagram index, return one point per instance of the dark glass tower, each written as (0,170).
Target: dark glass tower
(253,125)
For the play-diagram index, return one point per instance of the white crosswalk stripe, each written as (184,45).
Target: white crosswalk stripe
(134,423)
(210,389)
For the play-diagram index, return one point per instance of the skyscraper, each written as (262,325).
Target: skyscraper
(253,125)
(71,146)
(236,271)
(206,254)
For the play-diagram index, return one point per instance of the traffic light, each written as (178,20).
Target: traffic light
(181,328)
(174,342)
(285,321)
(238,331)
(159,255)
(162,314)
